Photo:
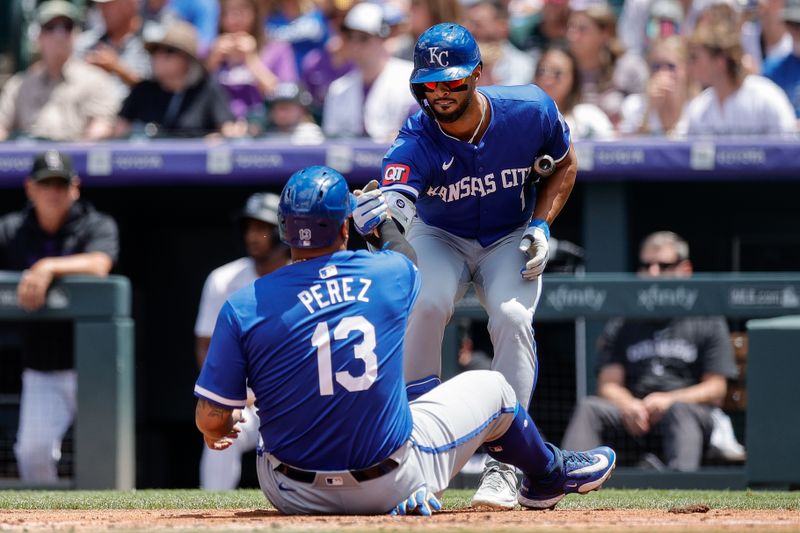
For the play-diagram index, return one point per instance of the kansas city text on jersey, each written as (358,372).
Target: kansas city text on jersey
(469,186)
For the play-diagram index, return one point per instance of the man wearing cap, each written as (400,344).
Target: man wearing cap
(221,469)
(372,99)
(55,235)
(785,71)
(181,99)
(117,47)
(58,97)
(290,117)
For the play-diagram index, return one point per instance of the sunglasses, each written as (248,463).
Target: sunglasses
(547,71)
(453,86)
(658,66)
(63,25)
(643,265)
(166,50)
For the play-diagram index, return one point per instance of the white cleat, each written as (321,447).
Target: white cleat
(498,487)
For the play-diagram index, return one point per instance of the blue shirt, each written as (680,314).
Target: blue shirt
(481,191)
(785,72)
(307,32)
(320,342)
(203,15)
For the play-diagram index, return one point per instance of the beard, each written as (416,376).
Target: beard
(455,114)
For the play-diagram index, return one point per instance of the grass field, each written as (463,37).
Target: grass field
(454,499)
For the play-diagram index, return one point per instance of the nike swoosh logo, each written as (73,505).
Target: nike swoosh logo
(596,467)
(283,487)
(447,165)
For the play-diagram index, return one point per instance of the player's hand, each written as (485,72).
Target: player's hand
(371,209)
(421,502)
(32,288)
(227,441)
(534,245)
(635,417)
(657,404)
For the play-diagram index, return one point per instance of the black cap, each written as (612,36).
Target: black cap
(52,164)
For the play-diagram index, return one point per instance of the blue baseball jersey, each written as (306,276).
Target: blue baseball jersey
(481,191)
(320,342)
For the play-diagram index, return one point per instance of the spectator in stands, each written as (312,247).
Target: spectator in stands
(422,14)
(117,47)
(204,16)
(373,99)
(764,33)
(659,381)
(221,470)
(659,110)
(55,235)
(643,22)
(322,66)
(59,97)
(734,102)
(503,63)
(785,71)
(557,73)
(290,115)
(299,23)
(181,99)
(608,74)
(245,63)
(536,25)
(157,13)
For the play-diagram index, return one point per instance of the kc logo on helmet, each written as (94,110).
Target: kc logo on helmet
(438,58)
(396,173)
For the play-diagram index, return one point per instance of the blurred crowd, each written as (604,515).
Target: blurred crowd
(306,70)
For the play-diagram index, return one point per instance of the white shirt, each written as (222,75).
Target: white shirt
(220,284)
(633,118)
(758,107)
(387,106)
(588,122)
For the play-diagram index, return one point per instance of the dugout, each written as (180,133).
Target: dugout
(175,201)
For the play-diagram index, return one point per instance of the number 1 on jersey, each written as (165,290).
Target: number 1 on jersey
(364,350)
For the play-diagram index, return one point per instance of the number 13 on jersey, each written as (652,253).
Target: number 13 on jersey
(365,350)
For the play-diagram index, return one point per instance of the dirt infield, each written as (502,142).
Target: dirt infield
(694,518)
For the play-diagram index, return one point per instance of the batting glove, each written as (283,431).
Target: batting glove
(534,244)
(371,209)
(421,502)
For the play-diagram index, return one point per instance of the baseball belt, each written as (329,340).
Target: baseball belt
(365,474)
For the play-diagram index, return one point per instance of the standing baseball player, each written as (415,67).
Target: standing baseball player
(467,165)
(221,470)
(321,343)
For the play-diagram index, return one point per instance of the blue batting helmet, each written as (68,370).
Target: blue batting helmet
(445,52)
(314,203)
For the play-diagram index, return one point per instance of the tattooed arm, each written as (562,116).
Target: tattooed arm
(217,424)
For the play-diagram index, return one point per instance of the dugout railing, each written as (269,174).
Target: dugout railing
(100,311)
(773,358)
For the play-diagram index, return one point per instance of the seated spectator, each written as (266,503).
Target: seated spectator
(181,99)
(157,13)
(374,98)
(117,47)
(55,235)
(204,16)
(734,103)
(503,63)
(299,23)
(659,381)
(247,65)
(536,25)
(323,65)
(557,73)
(643,22)
(608,74)
(422,14)
(290,115)
(659,110)
(59,97)
(785,70)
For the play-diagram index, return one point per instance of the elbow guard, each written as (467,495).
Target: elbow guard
(401,208)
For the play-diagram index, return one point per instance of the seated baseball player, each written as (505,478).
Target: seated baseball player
(320,342)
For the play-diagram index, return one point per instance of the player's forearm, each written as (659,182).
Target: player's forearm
(710,391)
(92,263)
(212,420)
(391,238)
(555,189)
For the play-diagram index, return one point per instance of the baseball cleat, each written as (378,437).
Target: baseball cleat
(498,487)
(581,472)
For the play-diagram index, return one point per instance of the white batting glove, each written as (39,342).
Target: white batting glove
(534,245)
(371,209)
(421,502)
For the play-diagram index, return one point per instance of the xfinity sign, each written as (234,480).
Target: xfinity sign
(655,297)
